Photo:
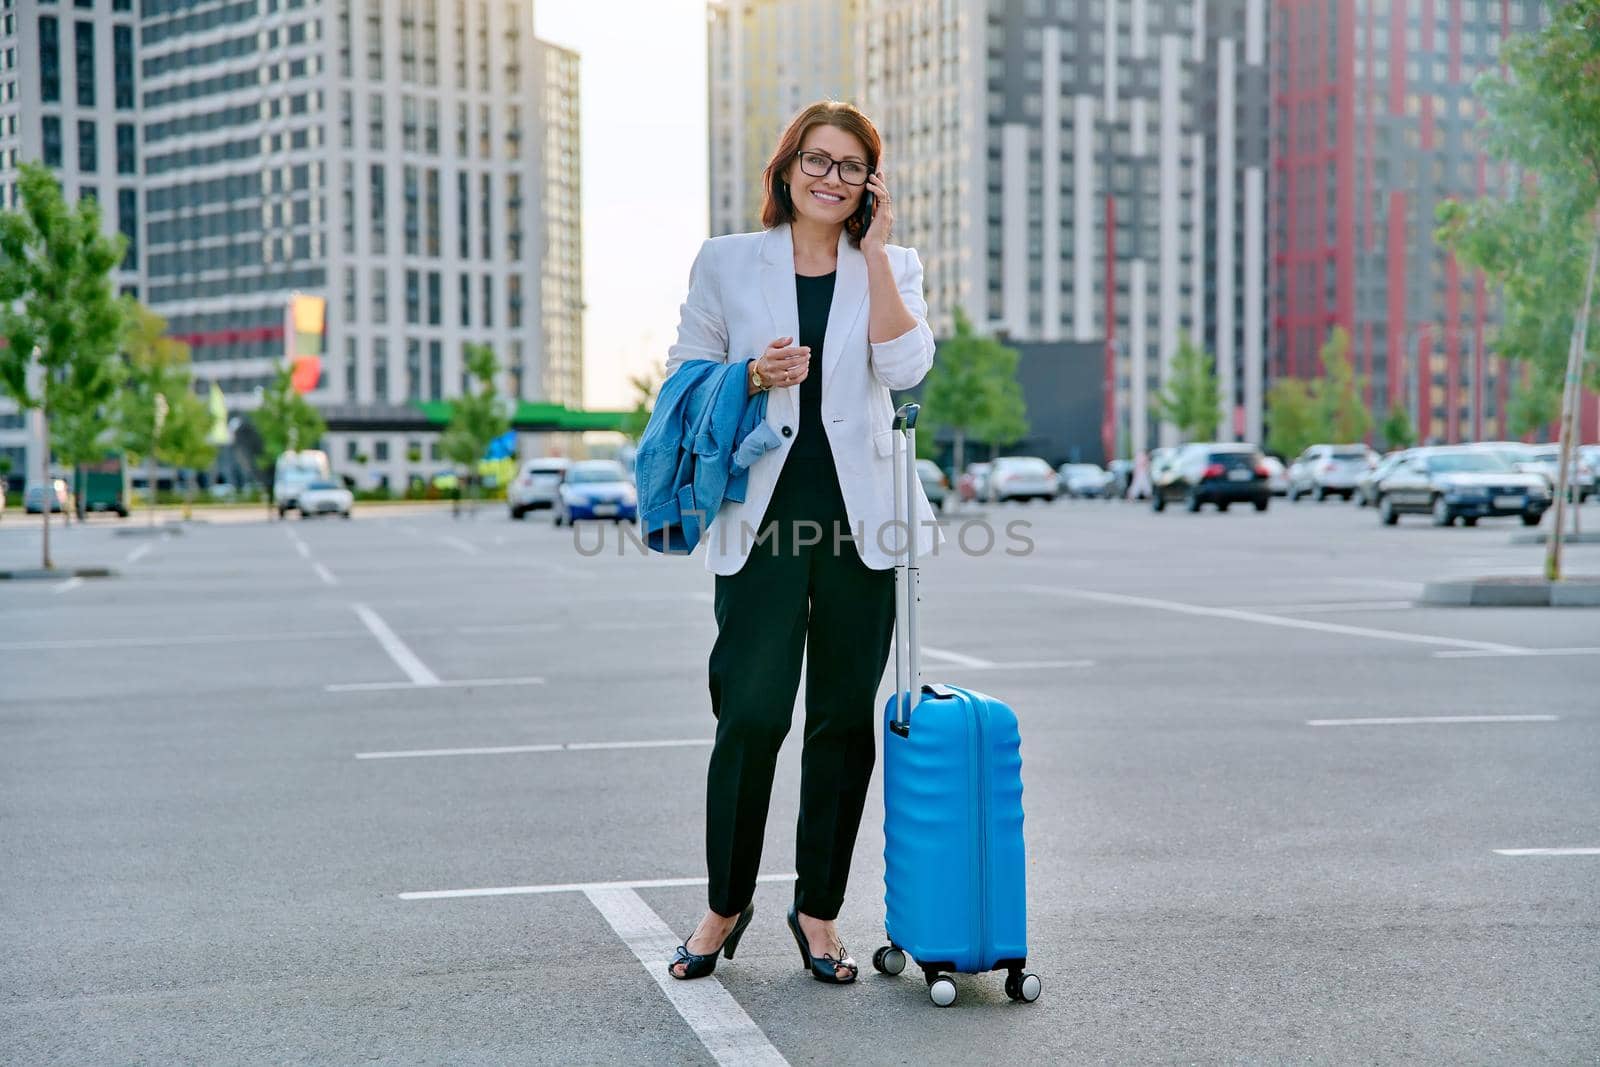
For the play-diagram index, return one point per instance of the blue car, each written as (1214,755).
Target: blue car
(597,489)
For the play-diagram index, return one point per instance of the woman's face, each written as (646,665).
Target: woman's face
(813,196)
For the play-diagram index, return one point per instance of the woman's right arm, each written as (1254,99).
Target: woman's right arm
(702,329)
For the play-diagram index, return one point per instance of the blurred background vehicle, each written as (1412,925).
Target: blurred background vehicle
(1213,472)
(33,497)
(102,486)
(973,484)
(222,491)
(596,489)
(1463,483)
(1326,470)
(294,471)
(934,483)
(1277,475)
(1546,459)
(1085,480)
(1022,478)
(1591,456)
(537,485)
(324,498)
(1367,484)
(1121,475)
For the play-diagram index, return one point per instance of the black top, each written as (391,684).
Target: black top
(814,299)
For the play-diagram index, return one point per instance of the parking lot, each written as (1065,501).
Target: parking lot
(416,789)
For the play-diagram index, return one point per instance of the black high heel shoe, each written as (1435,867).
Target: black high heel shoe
(697,965)
(822,968)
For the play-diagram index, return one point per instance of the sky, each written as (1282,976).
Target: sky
(642,118)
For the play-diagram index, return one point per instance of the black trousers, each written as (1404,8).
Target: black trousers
(790,598)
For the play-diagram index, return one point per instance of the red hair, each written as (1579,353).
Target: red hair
(776,205)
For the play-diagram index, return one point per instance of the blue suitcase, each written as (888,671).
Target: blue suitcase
(955,874)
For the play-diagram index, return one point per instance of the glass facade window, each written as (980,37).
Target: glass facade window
(514,132)
(430,43)
(409,183)
(349,295)
(485,224)
(435,370)
(460,23)
(408,123)
(514,215)
(513,47)
(413,299)
(375,39)
(377,208)
(50,127)
(514,300)
(463,130)
(128,224)
(463,216)
(431,211)
(375,122)
(350,384)
(413,369)
(380,369)
(127,149)
(483,47)
(466,299)
(484,144)
(488,300)
(347,203)
(380,297)
(83,57)
(430,126)
(122,66)
(49,59)
(88,146)
(347,119)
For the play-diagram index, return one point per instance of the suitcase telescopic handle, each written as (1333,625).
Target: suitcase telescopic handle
(906,575)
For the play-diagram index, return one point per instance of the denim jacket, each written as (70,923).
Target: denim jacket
(704,433)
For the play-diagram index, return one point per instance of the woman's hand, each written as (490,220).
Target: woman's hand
(879,232)
(782,364)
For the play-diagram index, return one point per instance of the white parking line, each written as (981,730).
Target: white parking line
(571,887)
(139,553)
(325,574)
(457,683)
(1340,605)
(403,657)
(716,1018)
(464,546)
(69,585)
(1548,851)
(1273,620)
(929,652)
(1429,720)
(576,746)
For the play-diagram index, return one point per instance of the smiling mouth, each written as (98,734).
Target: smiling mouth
(824,198)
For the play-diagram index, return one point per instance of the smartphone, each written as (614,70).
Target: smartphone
(864,212)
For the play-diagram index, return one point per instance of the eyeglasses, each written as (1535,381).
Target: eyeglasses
(818,165)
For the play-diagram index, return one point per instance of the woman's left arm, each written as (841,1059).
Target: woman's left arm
(897,330)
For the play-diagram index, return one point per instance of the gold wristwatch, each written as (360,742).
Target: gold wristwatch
(755,377)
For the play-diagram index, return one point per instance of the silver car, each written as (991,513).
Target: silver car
(1546,460)
(1326,470)
(1085,479)
(537,485)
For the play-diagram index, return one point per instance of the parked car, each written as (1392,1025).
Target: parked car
(33,497)
(294,470)
(1324,470)
(1277,475)
(974,483)
(324,498)
(1463,483)
(934,483)
(1546,459)
(1085,479)
(1213,472)
(1591,456)
(596,489)
(1367,484)
(1022,478)
(537,485)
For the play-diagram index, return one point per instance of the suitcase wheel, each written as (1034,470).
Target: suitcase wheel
(1024,986)
(889,960)
(942,990)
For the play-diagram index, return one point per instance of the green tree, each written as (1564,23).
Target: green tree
(972,391)
(57,311)
(1543,116)
(84,427)
(1296,417)
(1339,392)
(1192,399)
(1535,402)
(285,421)
(1397,429)
(155,377)
(477,416)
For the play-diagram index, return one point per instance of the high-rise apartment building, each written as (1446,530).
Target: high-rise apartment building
(1118,149)
(392,156)
(767,59)
(1374,129)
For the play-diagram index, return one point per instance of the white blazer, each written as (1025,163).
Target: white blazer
(742,298)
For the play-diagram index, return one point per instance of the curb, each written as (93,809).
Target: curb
(57,573)
(1513,592)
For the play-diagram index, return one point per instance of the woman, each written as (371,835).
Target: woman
(835,318)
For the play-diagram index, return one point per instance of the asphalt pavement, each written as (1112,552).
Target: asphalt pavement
(411,789)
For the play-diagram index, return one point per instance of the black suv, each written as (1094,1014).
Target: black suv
(1213,472)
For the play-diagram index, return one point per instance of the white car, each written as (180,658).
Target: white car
(1277,477)
(537,485)
(1085,479)
(1325,470)
(1022,478)
(324,498)
(1546,459)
